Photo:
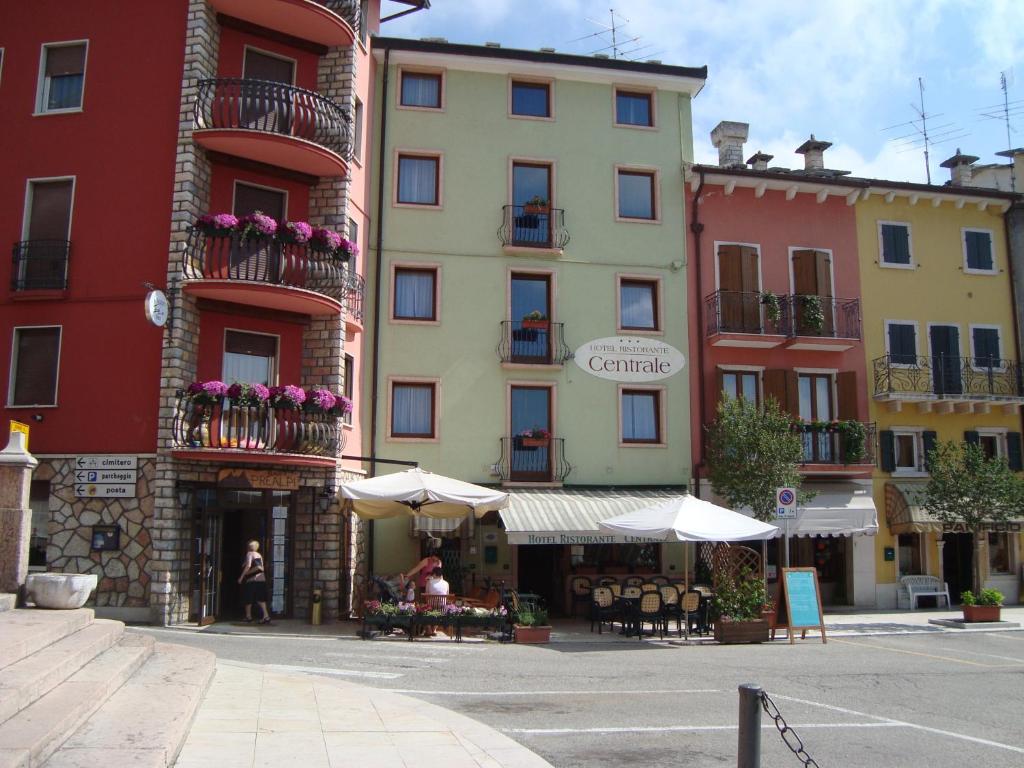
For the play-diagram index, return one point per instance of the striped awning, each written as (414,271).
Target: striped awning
(442,525)
(571,515)
(904,513)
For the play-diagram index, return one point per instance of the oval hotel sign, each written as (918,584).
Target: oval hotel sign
(627,358)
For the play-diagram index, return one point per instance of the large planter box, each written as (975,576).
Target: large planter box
(734,632)
(981,612)
(533,634)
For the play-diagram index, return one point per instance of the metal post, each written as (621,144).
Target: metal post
(748,751)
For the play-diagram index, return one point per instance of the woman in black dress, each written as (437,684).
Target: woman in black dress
(254,582)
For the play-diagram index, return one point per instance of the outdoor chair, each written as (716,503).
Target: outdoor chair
(659,580)
(670,607)
(649,586)
(438,602)
(633,581)
(580,587)
(607,581)
(603,608)
(689,605)
(632,592)
(616,589)
(649,610)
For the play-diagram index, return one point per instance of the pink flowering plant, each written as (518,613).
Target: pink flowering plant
(319,400)
(287,398)
(217,223)
(325,240)
(207,392)
(535,432)
(342,406)
(258,226)
(248,395)
(347,249)
(295,232)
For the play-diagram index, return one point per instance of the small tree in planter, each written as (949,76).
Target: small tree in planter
(968,489)
(738,606)
(532,626)
(985,607)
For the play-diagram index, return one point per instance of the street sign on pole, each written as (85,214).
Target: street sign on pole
(785,503)
(106,476)
(108,461)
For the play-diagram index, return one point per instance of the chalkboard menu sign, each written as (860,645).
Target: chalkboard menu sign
(800,602)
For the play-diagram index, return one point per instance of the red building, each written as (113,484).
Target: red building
(121,148)
(775,282)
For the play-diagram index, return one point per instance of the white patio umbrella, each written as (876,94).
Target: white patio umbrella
(687,518)
(419,492)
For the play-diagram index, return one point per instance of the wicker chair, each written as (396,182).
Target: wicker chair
(438,602)
(632,592)
(659,580)
(690,605)
(633,581)
(616,589)
(649,610)
(607,581)
(670,607)
(649,586)
(580,587)
(603,608)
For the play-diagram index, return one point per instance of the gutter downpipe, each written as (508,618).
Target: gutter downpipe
(377,270)
(697,228)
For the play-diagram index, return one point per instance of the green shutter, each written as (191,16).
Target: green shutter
(901,236)
(1013,451)
(928,439)
(972,438)
(887,450)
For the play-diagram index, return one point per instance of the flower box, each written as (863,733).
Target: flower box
(735,632)
(539,325)
(532,635)
(534,442)
(530,208)
(974,613)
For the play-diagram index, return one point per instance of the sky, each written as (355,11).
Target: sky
(844,70)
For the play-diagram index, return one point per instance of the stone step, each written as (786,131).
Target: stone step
(27,630)
(7,601)
(144,724)
(31,678)
(35,733)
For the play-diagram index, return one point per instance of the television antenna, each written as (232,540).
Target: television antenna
(922,135)
(617,43)
(1005,113)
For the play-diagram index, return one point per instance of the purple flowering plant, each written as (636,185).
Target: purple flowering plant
(217,223)
(295,232)
(342,406)
(325,240)
(248,395)
(288,397)
(207,392)
(348,249)
(258,225)
(319,400)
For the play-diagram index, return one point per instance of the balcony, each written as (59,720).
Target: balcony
(354,290)
(273,123)
(286,276)
(947,384)
(837,448)
(532,342)
(327,22)
(254,435)
(537,231)
(765,320)
(40,266)
(533,461)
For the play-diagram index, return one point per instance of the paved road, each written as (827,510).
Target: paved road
(932,700)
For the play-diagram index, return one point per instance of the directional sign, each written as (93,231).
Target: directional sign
(104,490)
(106,476)
(107,462)
(785,503)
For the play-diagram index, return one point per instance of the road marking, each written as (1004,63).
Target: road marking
(979,653)
(904,723)
(333,672)
(379,657)
(684,728)
(880,647)
(616,692)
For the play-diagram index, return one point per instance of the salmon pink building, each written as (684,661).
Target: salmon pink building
(773,267)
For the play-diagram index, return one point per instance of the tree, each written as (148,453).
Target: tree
(969,489)
(752,451)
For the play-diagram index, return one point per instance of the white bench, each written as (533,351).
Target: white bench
(918,586)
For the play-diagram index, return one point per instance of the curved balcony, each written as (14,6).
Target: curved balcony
(327,22)
(291,277)
(532,342)
(947,383)
(40,265)
(533,230)
(254,435)
(354,288)
(533,460)
(273,123)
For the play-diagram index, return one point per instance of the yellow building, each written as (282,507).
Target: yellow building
(939,335)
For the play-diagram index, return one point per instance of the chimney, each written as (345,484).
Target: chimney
(728,138)
(1016,167)
(814,153)
(759,161)
(960,171)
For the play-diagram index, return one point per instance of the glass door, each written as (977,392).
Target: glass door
(531,200)
(530,324)
(531,434)
(208,525)
(816,406)
(945,346)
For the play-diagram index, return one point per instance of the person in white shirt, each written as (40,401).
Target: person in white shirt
(436,585)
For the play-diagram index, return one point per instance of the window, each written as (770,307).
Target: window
(353,236)
(531,99)
(419,180)
(740,384)
(412,409)
(636,198)
(895,244)
(992,444)
(636,109)
(902,341)
(641,416)
(249,358)
(357,137)
(909,553)
(978,251)
(985,346)
(364,20)
(349,386)
(906,444)
(415,293)
(62,77)
(999,554)
(35,360)
(250,198)
(41,260)
(39,502)
(421,89)
(638,304)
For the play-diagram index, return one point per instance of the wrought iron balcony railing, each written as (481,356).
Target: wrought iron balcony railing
(349,10)
(842,442)
(40,265)
(355,290)
(233,257)
(536,342)
(969,378)
(743,312)
(533,460)
(527,227)
(825,317)
(261,429)
(270,107)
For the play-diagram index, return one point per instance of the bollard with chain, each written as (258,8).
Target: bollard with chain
(748,753)
(789,736)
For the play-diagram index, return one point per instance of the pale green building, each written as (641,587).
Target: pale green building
(530,203)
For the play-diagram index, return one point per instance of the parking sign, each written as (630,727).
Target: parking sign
(785,503)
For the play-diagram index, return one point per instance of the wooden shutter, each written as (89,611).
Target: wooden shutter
(846,394)
(259,66)
(928,440)
(1013,451)
(887,450)
(249,199)
(901,243)
(805,273)
(774,384)
(50,216)
(65,60)
(751,288)
(792,394)
(35,368)
(972,438)
(719,387)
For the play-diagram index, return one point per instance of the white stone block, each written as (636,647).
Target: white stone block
(60,590)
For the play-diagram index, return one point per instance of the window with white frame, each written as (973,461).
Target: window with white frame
(1000,553)
(901,340)
(62,77)
(907,452)
(641,416)
(743,384)
(348,388)
(413,405)
(419,180)
(978,256)
(35,361)
(992,443)
(894,244)
(985,347)
(250,358)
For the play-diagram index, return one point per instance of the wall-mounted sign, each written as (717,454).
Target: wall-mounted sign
(157,307)
(106,538)
(17,426)
(629,358)
(258,479)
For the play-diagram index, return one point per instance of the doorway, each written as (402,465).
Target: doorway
(739,286)
(531,434)
(815,390)
(945,348)
(531,183)
(957,562)
(531,313)
(540,572)
(812,277)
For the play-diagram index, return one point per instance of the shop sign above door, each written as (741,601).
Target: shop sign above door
(258,479)
(629,358)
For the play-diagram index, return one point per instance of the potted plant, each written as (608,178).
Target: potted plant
(535,320)
(532,626)
(258,226)
(217,224)
(536,205)
(853,436)
(533,438)
(737,607)
(297,232)
(983,607)
(772,307)
(813,315)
